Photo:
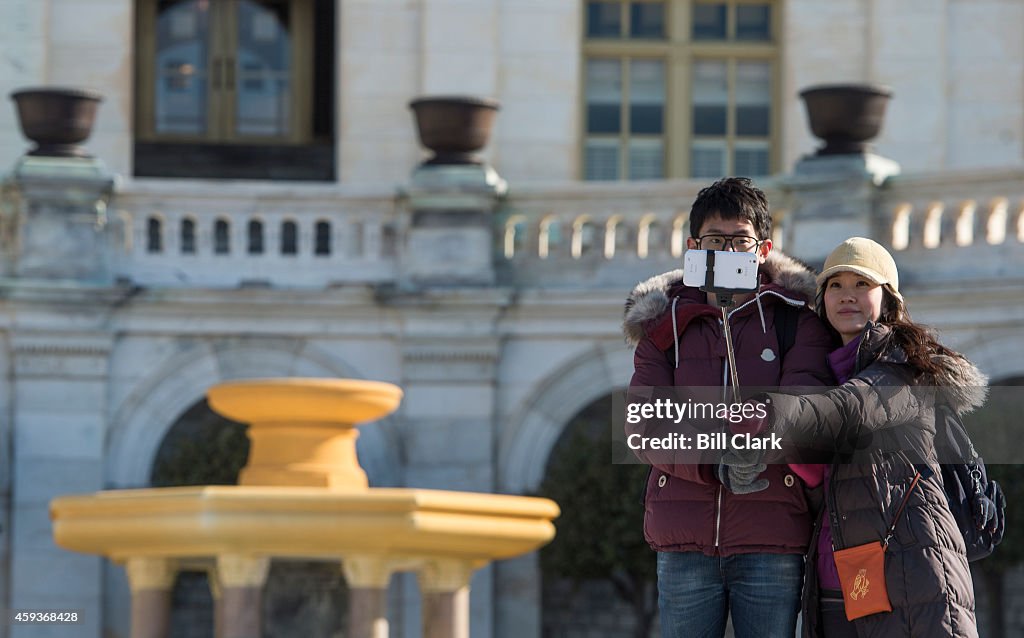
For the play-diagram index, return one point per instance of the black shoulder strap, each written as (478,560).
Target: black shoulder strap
(786,319)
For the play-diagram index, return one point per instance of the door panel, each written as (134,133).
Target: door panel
(180,68)
(263,69)
(226,71)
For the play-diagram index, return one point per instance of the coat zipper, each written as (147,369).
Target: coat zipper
(832,513)
(718,515)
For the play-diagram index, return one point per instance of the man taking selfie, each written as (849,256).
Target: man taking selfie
(729,538)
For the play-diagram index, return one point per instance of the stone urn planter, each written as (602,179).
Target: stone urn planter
(57,119)
(846,116)
(454,127)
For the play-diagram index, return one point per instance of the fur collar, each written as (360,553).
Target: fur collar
(650,299)
(962,384)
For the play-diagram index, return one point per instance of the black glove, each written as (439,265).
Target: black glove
(998,525)
(739,469)
(983,507)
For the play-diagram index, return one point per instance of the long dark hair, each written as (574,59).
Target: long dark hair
(916,340)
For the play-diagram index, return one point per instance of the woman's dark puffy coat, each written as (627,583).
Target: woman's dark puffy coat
(881,423)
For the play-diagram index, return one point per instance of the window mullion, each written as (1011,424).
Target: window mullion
(146,108)
(679,125)
(229,92)
(624,116)
(677,92)
(679,22)
(775,122)
(730,22)
(217,72)
(730,112)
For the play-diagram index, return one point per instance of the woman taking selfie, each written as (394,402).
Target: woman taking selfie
(884,481)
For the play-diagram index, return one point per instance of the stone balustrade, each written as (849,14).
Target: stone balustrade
(949,227)
(594,234)
(188,234)
(565,234)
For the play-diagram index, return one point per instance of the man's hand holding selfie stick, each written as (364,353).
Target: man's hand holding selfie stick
(736,273)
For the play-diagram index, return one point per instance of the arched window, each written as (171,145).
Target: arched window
(289,238)
(154,235)
(323,238)
(188,236)
(221,237)
(255,237)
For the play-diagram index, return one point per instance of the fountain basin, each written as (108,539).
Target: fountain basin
(302,431)
(195,522)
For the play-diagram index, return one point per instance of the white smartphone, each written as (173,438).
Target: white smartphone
(732,270)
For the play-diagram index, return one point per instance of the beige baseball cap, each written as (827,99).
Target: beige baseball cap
(866,258)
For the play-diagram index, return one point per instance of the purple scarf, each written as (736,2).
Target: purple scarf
(842,361)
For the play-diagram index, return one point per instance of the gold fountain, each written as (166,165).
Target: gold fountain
(302,494)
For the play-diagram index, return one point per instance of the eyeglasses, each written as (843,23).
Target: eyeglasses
(740,243)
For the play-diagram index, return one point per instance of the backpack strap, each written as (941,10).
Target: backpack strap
(899,512)
(786,319)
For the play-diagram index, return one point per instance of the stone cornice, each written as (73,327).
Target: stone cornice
(64,292)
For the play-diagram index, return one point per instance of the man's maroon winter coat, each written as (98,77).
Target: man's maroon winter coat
(687,508)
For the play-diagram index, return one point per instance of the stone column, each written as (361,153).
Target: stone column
(55,258)
(151,581)
(241,579)
(59,390)
(445,587)
(449,369)
(367,578)
(450,344)
(217,594)
(832,198)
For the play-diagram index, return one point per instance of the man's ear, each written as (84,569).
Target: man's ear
(691,243)
(763,250)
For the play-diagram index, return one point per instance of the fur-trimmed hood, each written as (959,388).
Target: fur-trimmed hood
(962,384)
(650,299)
(966,387)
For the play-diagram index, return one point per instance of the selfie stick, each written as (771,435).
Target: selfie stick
(725,301)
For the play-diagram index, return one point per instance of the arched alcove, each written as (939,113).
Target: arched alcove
(175,385)
(598,574)
(529,434)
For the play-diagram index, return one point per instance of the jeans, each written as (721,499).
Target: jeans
(696,593)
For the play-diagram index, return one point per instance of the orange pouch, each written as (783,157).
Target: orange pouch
(862,577)
(862,570)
